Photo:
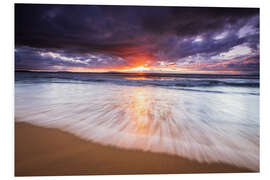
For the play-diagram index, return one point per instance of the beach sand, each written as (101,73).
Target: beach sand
(51,152)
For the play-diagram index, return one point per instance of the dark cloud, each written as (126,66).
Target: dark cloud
(130,32)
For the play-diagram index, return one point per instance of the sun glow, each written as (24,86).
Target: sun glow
(139,69)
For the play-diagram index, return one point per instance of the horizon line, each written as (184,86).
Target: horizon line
(138,73)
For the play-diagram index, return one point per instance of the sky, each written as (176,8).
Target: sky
(88,38)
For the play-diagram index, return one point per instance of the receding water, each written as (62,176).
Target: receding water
(207,120)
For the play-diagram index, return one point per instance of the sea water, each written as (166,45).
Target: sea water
(206,118)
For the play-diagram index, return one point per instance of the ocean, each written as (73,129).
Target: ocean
(202,117)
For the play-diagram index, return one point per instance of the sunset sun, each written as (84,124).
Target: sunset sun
(139,69)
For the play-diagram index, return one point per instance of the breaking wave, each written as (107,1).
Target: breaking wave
(141,80)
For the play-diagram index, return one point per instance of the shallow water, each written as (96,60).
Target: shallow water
(200,120)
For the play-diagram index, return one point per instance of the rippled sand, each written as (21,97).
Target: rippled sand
(201,126)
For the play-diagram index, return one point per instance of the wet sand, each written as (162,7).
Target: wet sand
(51,152)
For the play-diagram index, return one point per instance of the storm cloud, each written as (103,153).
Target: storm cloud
(57,37)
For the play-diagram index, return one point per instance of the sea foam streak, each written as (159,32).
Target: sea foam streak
(206,127)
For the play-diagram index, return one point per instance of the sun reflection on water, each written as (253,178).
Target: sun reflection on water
(146,110)
(138,104)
